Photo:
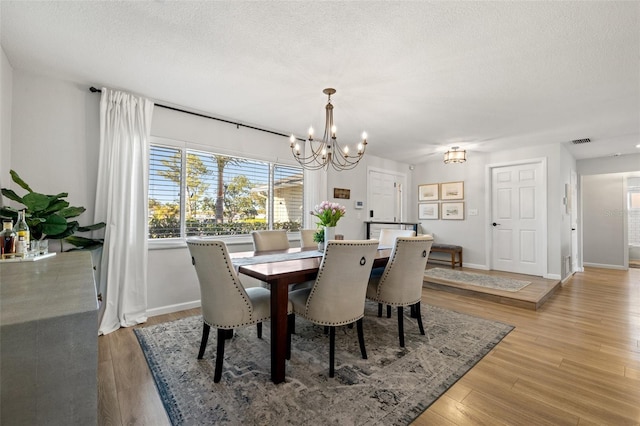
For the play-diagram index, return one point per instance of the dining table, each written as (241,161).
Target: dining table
(279,269)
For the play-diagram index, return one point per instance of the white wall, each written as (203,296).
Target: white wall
(604,165)
(6,101)
(55,138)
(603,212)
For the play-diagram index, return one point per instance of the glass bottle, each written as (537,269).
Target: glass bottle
(7,240)
(22,235)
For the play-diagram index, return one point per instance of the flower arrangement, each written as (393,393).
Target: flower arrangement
(328,213)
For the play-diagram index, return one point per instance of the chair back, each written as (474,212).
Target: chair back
(306,238)
(338,294)
(388,236)
(270,240)
(401,281)
(224,301)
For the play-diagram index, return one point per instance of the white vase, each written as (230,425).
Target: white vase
(329,234)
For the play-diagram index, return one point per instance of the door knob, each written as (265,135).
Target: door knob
(495,224)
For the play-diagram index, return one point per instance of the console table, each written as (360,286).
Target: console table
(372,222)
(49,334)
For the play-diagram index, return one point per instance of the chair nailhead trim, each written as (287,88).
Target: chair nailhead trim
(221,246)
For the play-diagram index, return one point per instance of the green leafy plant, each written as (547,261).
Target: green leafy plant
(48,216)
(318,236)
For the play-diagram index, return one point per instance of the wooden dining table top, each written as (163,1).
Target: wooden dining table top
(271,270)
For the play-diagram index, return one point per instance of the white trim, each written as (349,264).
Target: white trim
(229,240)
(605,266)
(476,266)
(551,276)
(169,309)
(488,241)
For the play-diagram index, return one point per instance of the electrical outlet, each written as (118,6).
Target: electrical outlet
(473,212)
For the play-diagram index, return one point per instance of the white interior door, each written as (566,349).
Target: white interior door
(383,205)
(517,213)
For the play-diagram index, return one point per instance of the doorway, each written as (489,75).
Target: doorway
(518,217)
(386,200)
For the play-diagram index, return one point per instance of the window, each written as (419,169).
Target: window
(219,194)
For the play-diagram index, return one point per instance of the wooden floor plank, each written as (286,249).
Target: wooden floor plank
(462,414)
(108,405)
(523,410)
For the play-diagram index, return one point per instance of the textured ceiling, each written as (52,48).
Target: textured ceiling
(419,77)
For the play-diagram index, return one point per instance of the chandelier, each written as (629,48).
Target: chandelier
(455,156)
(320,154)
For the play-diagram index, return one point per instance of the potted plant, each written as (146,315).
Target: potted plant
(48,216)
(318,237)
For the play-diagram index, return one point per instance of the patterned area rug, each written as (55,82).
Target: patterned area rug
(393,386)
(481,280)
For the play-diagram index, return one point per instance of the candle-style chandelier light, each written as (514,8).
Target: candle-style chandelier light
(320,154)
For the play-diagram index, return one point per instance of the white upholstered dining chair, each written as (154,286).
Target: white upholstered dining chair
(401,282)
(306,238)
(270,240)
(337,297)
(388,236)
(226,304)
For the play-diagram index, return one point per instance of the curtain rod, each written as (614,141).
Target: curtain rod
(238,125)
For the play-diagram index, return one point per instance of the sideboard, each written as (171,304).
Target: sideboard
(49,341)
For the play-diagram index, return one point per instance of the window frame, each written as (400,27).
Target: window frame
(184,147)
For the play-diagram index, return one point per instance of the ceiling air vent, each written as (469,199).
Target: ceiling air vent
(579,141)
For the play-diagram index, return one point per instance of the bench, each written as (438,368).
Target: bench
(450,249)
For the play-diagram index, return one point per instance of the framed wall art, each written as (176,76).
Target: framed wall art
(342,193)
(428,192)
(428,210)
(452,191)
(453,211)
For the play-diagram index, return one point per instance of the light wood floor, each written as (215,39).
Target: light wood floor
(574,361)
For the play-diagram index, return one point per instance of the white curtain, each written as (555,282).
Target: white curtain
(315,192)
(121,202)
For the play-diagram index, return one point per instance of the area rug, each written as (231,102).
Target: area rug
(393,386)
(481,280)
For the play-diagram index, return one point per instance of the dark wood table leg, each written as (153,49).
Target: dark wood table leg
(279,302)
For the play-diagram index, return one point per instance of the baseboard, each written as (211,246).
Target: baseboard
(552,276)
(476,266)
(601,265)
(154,312)
(567,278)
(465,265)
